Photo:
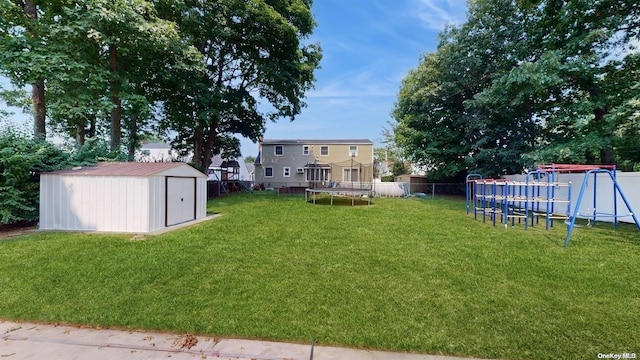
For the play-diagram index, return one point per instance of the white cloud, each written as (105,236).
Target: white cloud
(436,14)
(369,81)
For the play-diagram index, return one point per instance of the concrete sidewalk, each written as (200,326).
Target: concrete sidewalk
(37,341)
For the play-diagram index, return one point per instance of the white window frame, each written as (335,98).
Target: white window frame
(353,150)
(275,150)
(265,172)
(306,150)
(317,175)
(347,174)
(286,171)
(323,147)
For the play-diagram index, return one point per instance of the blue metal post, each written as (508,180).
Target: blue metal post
(582,189)
(572,222)
(526,204)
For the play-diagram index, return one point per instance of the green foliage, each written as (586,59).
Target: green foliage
(22,159)
(93,151)
(519,83)
(112,68)
(254,51)
(399,168)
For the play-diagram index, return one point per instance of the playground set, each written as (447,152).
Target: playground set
(227,178)
(543,195)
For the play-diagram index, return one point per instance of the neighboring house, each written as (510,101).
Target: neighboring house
(302,163)
(159,152)
(229,169)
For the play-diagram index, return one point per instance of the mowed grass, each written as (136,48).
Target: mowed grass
(410,275)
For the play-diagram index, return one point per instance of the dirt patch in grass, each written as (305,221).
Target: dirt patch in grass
(17,229)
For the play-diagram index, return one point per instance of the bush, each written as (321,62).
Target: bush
(22,159)
(93,151)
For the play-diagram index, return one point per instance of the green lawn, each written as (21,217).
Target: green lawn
(410,275)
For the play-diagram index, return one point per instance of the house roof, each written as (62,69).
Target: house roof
(121,169)
(317,165)
(148,146)
(316,141)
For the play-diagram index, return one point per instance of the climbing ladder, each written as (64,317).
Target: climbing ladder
(504,201)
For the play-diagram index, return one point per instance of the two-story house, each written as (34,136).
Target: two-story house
(314,163)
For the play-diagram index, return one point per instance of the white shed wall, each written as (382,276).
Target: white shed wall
(157,203)
(90,203)
(201,197)
(112,203)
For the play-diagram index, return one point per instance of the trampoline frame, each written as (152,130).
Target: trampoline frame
(339,192)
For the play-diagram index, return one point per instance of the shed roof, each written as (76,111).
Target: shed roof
(121,169)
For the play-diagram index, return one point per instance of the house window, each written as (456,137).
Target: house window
(278,150)
(306,150)
(324,150)
(353,150)
(268,172)
(317,174)
(350,174)
(286,172)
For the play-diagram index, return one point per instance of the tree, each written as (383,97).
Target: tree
(19,22)
(253,51)
(388,154)
(22,159)
(111,68)
(524,82)
(102,62)
(437,127)
(399,168)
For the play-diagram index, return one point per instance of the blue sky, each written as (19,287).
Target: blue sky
(368,48)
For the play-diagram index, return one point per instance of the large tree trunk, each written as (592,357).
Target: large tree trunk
(39,108)
(198,140)
(207,152)
(92,126)
(133,137)
(37,92)
(80,132)
(116,113)
(607,154)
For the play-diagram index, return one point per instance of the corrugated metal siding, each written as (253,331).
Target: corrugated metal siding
(92,202)
(201,198)
(157,203)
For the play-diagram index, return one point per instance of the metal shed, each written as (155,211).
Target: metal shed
(122,197)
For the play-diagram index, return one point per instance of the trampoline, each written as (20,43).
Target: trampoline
(343,192)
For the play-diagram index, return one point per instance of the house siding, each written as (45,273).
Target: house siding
(294,158)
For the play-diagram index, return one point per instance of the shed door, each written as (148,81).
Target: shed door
(181,200)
